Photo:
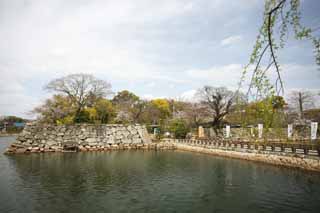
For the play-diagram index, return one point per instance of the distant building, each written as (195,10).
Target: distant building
(19,124)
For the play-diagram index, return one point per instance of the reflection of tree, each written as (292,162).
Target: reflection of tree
(114,181)
(76,174)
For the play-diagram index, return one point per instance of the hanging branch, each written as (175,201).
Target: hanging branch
(284,14)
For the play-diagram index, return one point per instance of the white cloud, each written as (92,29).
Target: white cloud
(227,75)
(188,95)
(151,84)
(231,40)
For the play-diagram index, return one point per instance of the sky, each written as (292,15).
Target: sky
(167,48)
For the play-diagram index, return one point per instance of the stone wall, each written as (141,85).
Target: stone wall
(39,137)
(300,162)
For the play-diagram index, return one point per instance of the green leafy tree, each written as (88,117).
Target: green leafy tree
(268,111)
(105,111)
(179,128)
(58,110)
(83,117)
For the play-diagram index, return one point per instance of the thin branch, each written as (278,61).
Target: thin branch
(256,68)
(271,44)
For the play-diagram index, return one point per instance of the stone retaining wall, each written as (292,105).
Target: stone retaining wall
(300,162)
(46,138)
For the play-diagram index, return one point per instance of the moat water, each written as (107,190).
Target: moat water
(150,181)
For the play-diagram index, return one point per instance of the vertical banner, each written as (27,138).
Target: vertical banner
(290,130)
(155,131)
(200,132)
(314,128)
(227,131)
(260,130)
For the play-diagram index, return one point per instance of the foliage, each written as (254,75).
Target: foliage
(105,111)
(83,117)
(129,106)
(82,91)
(125,98)
(12,119)
(159,110)
(268,112)
(56,109)
(218,105)
(69,119)
(179,128)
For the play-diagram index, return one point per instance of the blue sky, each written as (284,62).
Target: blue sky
(167,48)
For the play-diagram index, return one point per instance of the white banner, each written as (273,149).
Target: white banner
(290,130)
(200,132)
(314,128)
(227,131)
(260,130)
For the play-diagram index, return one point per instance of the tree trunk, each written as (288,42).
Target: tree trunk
(300,105)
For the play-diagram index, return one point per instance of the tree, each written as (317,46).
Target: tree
(12,119)
(268,111)
(219,101)
(160,110)
(105,110)
(125,98)
(280,18)
(179,128)
(58,109)
(301,100)
(81,89)
(138,109)
(129,106)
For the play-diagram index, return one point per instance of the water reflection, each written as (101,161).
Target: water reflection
(147,181)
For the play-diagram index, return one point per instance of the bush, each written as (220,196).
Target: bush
(82,117)
(179,128)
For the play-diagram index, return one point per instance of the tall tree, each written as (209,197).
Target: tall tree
(82,89)
(219,101)
(125,98)
(301,100)
(130,107)
(280,18)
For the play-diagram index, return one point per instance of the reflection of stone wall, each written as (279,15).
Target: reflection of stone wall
(52,137)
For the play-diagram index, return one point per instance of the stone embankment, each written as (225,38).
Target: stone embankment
(83,137)
(88,137)
(300,161)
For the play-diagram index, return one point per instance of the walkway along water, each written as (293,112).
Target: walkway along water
(304,155)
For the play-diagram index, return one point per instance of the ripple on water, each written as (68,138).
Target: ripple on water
(166,181)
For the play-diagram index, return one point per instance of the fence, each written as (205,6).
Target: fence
(292,132)
(311,148)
